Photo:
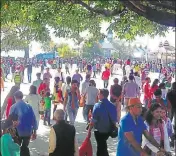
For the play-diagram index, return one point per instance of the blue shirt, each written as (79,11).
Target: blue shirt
(127,124)
(69,100)
(100,115)
(26,117)
(94,68)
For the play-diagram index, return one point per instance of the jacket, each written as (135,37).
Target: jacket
(65,139)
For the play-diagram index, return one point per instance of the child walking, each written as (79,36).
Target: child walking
(47,108)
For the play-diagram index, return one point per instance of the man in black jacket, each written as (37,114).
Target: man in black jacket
(62,140)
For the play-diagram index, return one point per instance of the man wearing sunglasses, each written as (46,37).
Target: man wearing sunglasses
(132,127)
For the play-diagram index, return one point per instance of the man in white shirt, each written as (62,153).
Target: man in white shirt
(61,76)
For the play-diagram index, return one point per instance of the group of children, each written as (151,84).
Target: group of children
(47,98)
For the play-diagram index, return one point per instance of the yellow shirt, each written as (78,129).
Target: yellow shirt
(108,65)
(137,68)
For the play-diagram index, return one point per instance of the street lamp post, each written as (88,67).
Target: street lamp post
(166,45)
(160,46)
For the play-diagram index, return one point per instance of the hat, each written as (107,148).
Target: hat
(134,101)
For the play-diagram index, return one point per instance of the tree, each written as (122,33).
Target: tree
(65,51)
(48,46)
(122,51)
(69,18)
(91,49)
(22,24)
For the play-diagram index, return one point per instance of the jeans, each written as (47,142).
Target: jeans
(101,139)
(47,115)
(29,77)
(72,113)
(86,111)
(24,150)
(106,82)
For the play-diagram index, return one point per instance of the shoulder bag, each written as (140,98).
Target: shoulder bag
(113,133)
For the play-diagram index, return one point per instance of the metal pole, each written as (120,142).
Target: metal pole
(166,58)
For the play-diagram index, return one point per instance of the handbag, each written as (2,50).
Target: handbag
(113,128)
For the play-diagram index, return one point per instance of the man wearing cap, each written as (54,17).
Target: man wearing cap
(132,127)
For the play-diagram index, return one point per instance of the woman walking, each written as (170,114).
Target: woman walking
(34,99)
(8,102)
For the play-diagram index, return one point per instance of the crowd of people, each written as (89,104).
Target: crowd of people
(145,129)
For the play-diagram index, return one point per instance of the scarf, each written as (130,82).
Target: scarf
(160,126)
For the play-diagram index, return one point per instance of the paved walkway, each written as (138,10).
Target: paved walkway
(39,147)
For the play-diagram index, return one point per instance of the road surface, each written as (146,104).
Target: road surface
(39,147)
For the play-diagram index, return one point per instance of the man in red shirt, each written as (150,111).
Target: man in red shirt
(147,94)
(105,77)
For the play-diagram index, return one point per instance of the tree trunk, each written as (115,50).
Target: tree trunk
(26,52)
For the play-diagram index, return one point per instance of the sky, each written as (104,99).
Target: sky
(152,43)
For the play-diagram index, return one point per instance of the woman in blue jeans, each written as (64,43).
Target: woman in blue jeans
(71,99)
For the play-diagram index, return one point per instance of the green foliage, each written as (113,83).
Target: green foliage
(65,51)
(91,49)
(49,46)
(26,21)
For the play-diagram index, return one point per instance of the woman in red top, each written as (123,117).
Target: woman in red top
(9,101)
(154,87)
(147,95)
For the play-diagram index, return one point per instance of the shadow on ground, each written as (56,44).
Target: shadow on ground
(39,147)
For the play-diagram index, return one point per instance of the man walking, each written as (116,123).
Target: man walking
(103,112)
(130,90)
(62,139)
(29,71)
(27,122)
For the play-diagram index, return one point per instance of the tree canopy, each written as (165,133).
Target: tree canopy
(32,20)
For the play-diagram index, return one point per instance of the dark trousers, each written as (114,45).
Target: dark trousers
(29,77)
(24,150)
(94,74)
(101,139)
(86,111)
